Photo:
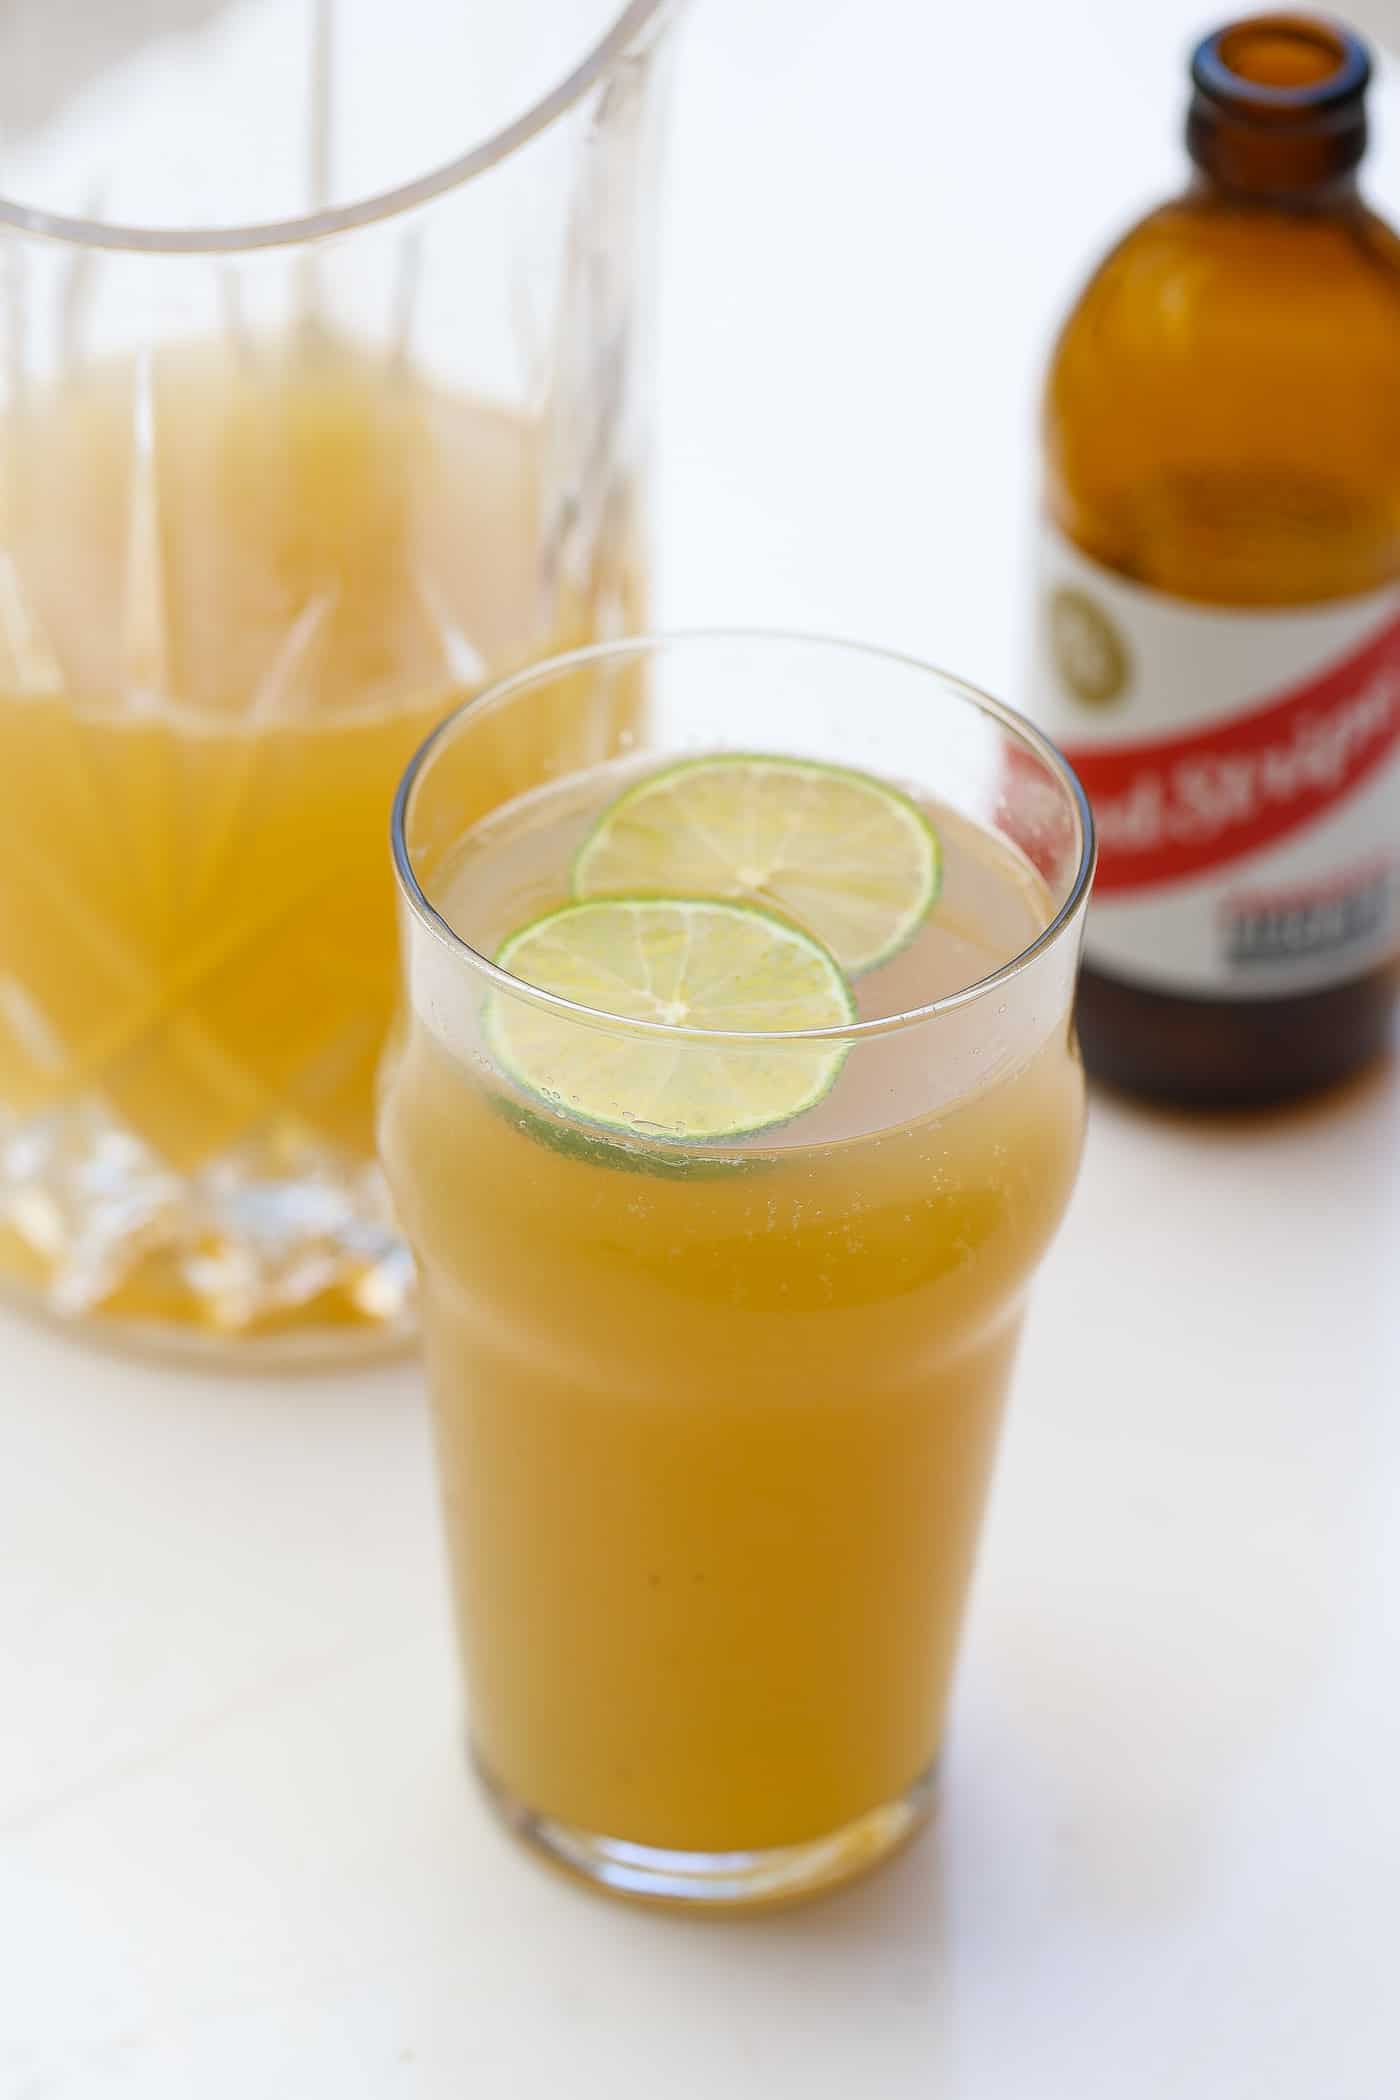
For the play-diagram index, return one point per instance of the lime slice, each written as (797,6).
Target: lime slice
(853,861)
(692,963)
(630,1154)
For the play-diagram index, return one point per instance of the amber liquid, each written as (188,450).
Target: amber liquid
(237,593)
(1222,423)
(715,1427)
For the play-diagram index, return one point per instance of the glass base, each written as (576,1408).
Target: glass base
(281,1251)
(724,1881)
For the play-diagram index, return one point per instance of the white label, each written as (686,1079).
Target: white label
(1244,769)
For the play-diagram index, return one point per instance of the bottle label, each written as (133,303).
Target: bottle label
(1244,769)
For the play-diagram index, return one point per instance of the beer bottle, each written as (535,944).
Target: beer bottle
(1218,603)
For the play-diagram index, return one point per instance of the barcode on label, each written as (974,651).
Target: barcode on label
(1263,929)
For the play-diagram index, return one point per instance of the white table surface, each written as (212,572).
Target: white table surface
(239,1857)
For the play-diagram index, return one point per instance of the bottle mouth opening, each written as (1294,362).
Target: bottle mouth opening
(1282,68)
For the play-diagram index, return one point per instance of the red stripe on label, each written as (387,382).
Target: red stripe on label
(1174,807)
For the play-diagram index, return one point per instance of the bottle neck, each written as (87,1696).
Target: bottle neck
(1279,111)
(1329,196)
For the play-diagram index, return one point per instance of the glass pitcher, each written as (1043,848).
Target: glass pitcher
(310,421)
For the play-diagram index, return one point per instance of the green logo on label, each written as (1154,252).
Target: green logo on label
(1090,654)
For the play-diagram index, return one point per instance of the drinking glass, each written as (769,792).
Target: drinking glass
(321,401)
(715,1420)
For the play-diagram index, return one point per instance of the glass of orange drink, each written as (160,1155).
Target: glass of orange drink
(735,1101)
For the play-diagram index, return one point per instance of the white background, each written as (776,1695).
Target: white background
(238,1854)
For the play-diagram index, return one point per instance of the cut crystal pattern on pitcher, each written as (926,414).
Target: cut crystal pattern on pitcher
(247,561)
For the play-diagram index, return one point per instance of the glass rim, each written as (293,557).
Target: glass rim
(549,668)
(627,27)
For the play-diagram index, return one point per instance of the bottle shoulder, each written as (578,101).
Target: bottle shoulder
(1221,414)
(1206,271)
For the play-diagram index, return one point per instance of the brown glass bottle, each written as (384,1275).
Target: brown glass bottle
(1219,619)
